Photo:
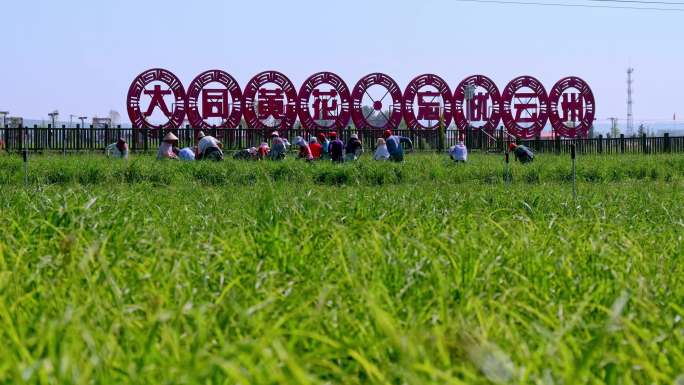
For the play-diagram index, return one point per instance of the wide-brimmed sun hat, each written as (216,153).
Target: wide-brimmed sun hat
(200,134)
(170,137)
(380,142)
(354,136)
(275,133)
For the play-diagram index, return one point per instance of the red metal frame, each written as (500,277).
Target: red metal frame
(585,94)
(138,86)
(249,94)
(459,99)
(507,100)
(410,93)
(312,83)
(393,90)
(195,88)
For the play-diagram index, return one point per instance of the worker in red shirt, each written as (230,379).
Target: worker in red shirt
(315,147)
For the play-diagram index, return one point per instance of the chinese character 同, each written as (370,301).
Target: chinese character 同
(215,103)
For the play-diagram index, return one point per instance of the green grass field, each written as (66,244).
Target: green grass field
(290,273)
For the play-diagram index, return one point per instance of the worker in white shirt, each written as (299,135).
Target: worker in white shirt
(209,148)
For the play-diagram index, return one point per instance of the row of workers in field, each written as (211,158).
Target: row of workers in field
(323,147)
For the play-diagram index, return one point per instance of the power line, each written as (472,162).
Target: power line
(570,5)
(639,2)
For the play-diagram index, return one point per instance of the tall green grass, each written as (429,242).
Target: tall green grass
(245,273)
(419,168)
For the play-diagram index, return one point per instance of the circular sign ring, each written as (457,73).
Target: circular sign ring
(249,99)
(393,90)
(507,103)
(412,90)
(482,81)
(585,94)
(315,80)
(137,88)
(196,87)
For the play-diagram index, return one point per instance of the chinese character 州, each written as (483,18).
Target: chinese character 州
(525,106)
(270,103)
(428,110)
(158,100)
(572,107)
(215,103)
(322,110)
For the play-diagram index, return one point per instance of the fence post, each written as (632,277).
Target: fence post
(600,144)
(558,145)
(63,140)
(666,142)
(643,144)
(6,138)
(622,143)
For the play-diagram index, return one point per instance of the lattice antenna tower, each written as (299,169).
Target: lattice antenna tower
(630,116)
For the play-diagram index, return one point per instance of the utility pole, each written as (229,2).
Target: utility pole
(53,116)
(613,127)
(630,116)
(4,116)
(82,119)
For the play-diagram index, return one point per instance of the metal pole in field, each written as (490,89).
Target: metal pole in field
(507,174)
(574,173)
(25,156)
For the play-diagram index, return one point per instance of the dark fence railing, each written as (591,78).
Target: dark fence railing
(76,139)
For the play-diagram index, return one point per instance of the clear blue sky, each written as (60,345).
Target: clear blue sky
(80,56)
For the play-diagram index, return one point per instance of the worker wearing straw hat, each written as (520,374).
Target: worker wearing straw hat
(167,149)
(209,148)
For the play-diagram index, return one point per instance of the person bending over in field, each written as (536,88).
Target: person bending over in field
(304,149)
(394,147)
(247,154)
(354,148)
(522,153)
(325,146)
(118,149)
(187,154)
(381,152)
(262,151)
(168,149)
(315,147)
(278,148)
(336,148)
(209,148)
(459,152)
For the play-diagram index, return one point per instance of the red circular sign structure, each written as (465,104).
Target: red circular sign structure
(321,107)
(538,120)
(393,90)
(413,90)
(137,88)
(232,87)
(580,105)
(482,81)
(287,113)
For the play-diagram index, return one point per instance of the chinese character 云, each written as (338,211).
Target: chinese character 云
(525,106)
